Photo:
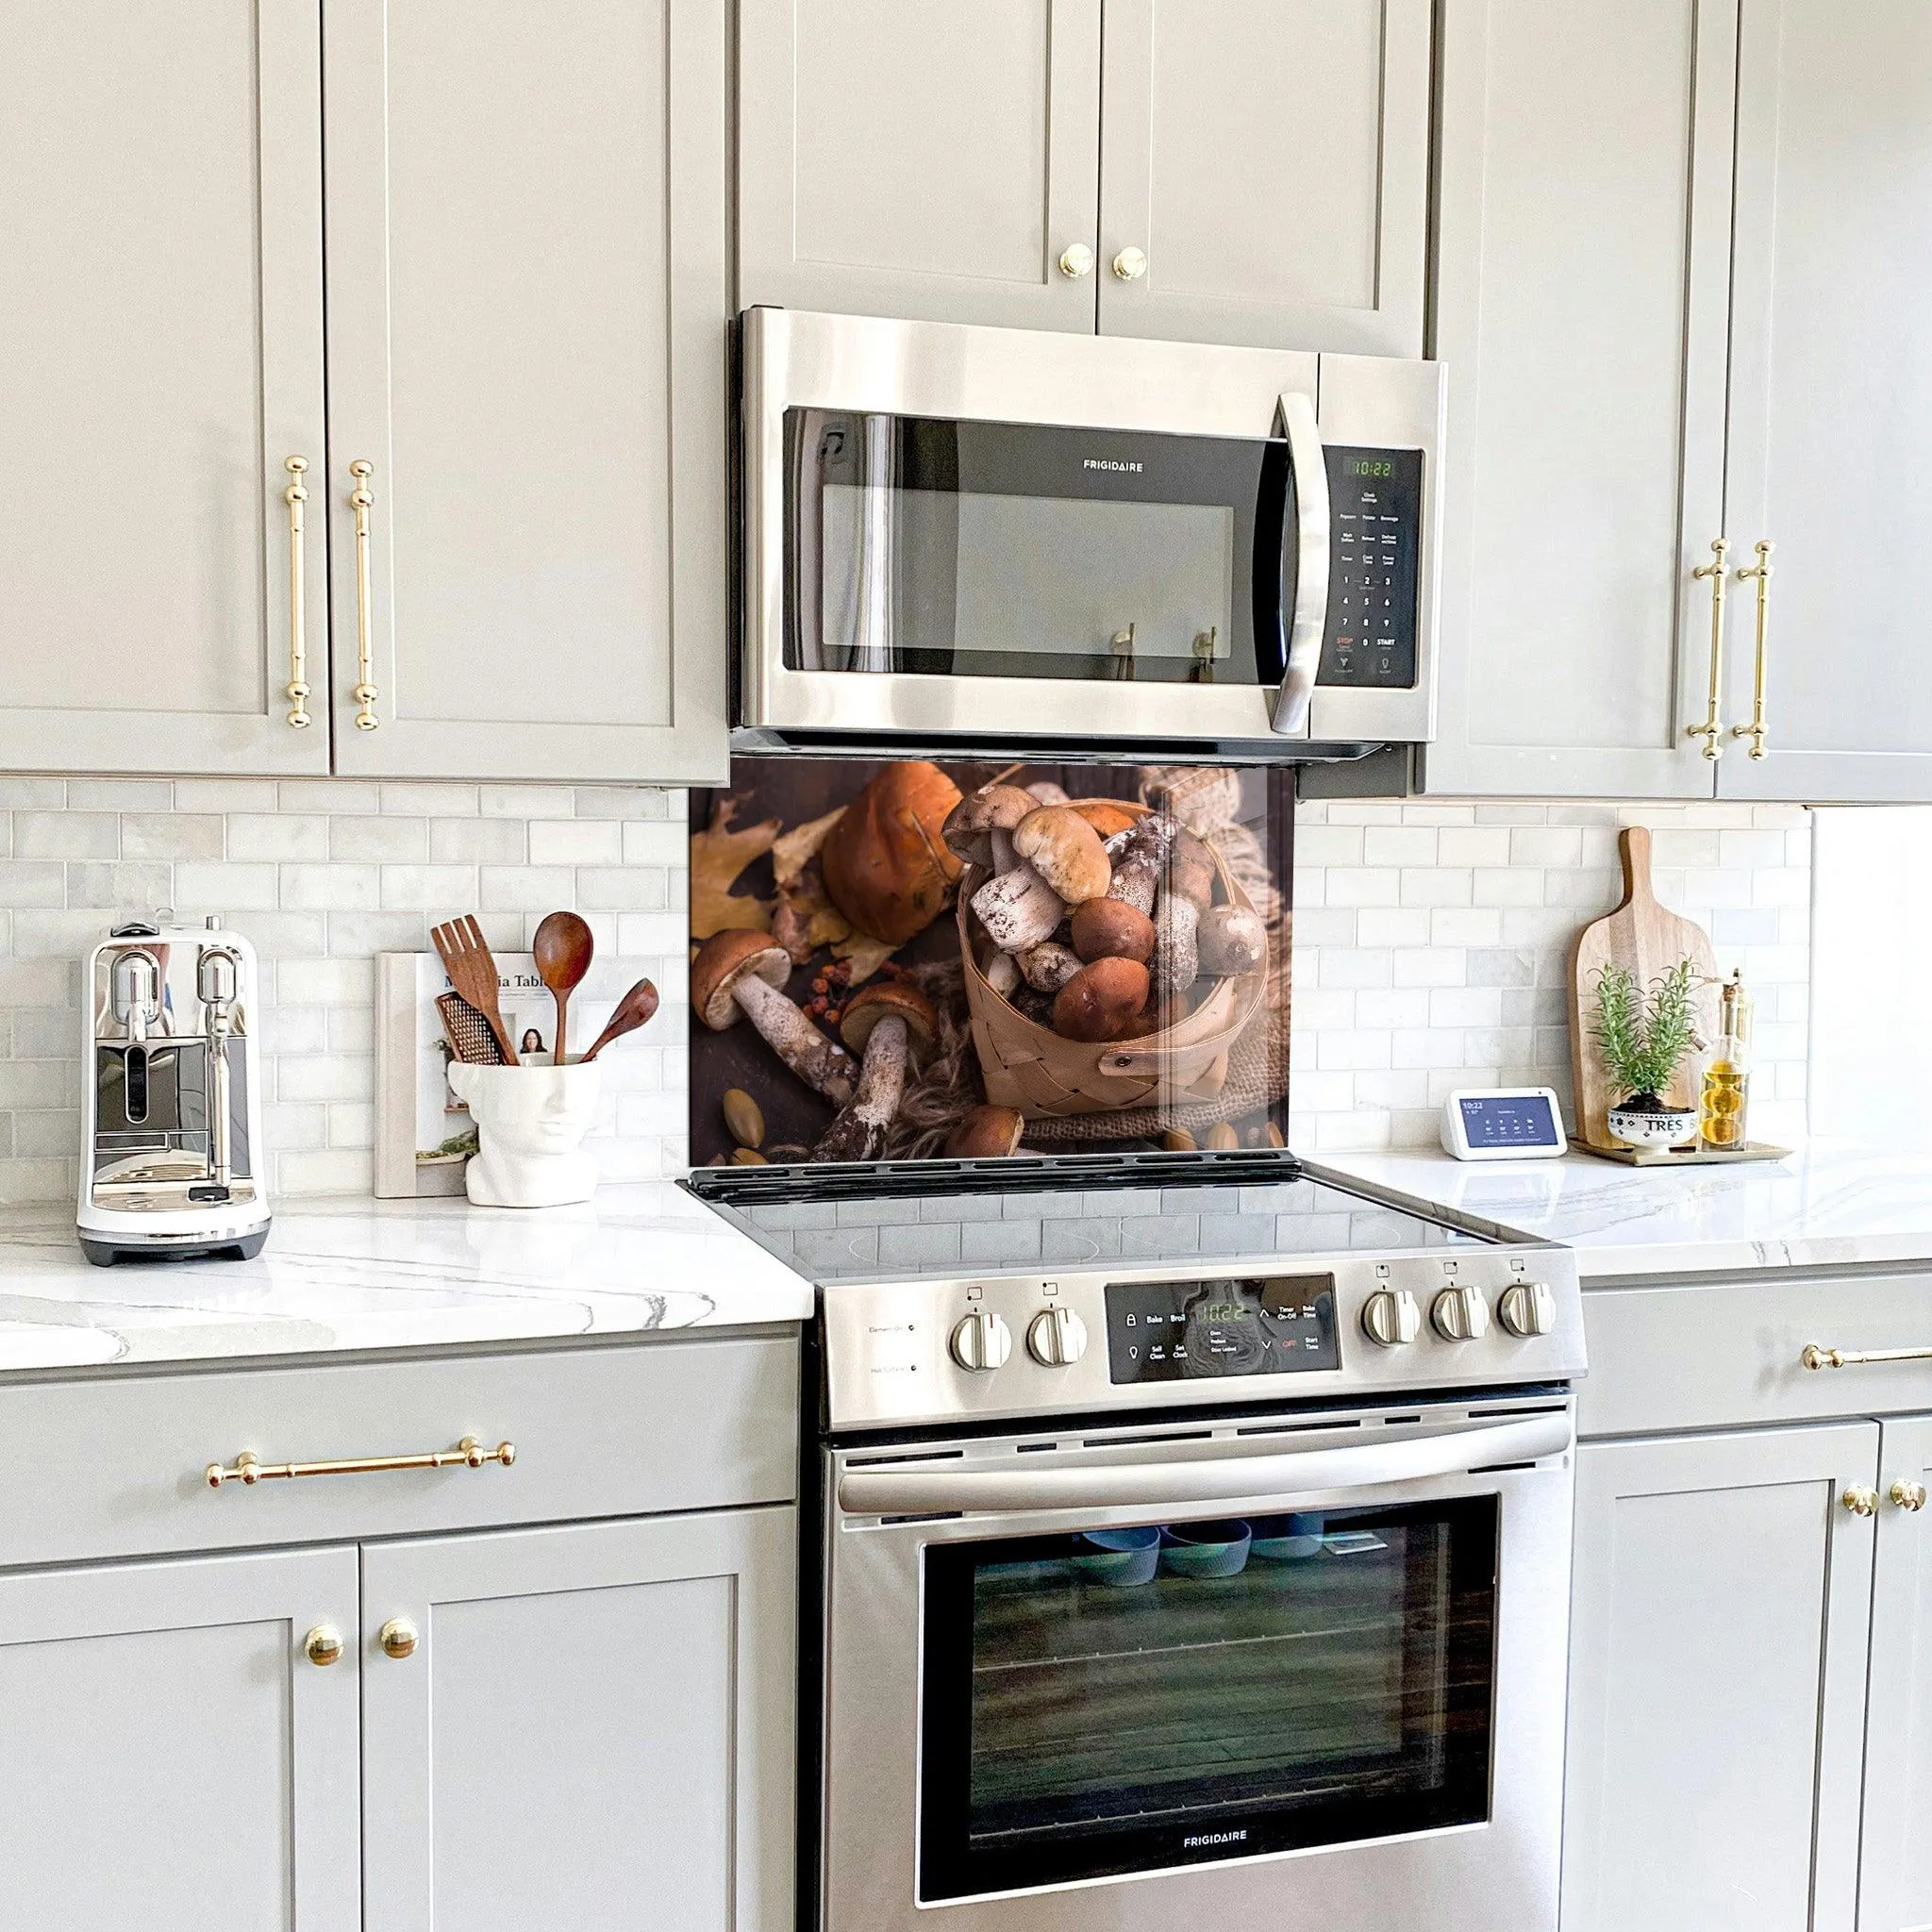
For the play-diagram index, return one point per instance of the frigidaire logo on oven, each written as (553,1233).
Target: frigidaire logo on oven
(1111,463)
(1213,1838)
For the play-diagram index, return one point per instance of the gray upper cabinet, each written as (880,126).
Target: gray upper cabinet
(160,285)
(1831,396)
(589,1726)
(920,159)
(527,305)
(175,1759)
(1264,172)
(1582,263)
(1895,1864)
(1719,1619)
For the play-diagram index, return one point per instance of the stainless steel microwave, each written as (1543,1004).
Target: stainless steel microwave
(981,536)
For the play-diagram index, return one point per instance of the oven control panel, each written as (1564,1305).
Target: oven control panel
(1041,1344)
(1374,553)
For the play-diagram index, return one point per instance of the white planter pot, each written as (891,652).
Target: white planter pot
(531,1125)
(1647,1129)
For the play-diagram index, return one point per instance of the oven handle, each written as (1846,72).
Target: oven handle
(1207,1480)
(1309,623)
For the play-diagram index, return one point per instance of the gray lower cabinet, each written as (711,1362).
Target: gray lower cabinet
(527,306)
(591,1728)
(161,280)
(1199,170)
(173,1759)
(1720,1614)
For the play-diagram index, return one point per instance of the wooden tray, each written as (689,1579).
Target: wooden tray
(1685,1156)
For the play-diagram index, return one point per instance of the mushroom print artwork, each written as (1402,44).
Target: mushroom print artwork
(901,961)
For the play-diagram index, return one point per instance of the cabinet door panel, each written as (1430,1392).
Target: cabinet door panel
(1582,265)
(916,158)
(1831,395)
(175,1761)
(160,306)
(1272,163)
(1717,1682)
(1895,1865)
(595,1730)
(527,344)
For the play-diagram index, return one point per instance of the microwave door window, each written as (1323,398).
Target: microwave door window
(1129,1701)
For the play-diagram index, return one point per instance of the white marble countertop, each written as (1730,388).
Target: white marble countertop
(357,1273)
(1831,1204)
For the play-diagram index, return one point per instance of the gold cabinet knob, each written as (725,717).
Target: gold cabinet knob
(322,1645)
(1908,1495)
(1076,259)
(1130,264)
(1860,1502)
(397,1637)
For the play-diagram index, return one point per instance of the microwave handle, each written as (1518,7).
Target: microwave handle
(1305,625)
(1227,1479)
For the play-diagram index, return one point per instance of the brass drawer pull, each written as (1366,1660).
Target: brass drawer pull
(1860,1501)
(1908,1495)
(295,495)
(1755,730)
(1816,1357)
(1712,730)
(469,1453)
(365,694)
(323,1646)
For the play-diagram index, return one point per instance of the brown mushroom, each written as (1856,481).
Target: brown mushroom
(1048,966)
(979,828)
(1045,791)
(1107,816)
(1065,851)
(892,1025)
(1101,1001)
(1190,871)
(987,1133)
(1137,865)
(1113,929)
(885,864)
(741,972)
(1018,910)
(1230,940)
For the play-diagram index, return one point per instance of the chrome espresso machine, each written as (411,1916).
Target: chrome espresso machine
(171,1096)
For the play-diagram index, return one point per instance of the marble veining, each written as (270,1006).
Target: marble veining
(1831,1204)
(344,1273)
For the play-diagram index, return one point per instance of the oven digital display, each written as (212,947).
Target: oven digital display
(1196,1331)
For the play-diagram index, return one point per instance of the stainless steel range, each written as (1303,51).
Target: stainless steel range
(1226,1583)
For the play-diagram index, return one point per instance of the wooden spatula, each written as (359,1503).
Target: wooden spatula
(465,956)
(1645,940)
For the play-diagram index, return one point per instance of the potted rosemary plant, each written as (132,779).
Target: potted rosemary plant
(1643,1036)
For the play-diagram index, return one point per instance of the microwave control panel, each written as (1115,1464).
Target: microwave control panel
(1376,521)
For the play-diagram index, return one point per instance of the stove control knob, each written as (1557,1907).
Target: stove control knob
(1460,1314)
(1527,1308)
(982,1342)
(1056,1338)
(1390,1317)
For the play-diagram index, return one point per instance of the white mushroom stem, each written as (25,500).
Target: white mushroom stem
(1003,855)
(1048,966)
(1176,958)
(1137,865)
(823,1064)
(1018,908)
(1002,973)
(858,1131)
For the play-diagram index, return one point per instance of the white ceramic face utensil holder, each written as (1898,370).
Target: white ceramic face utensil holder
(531,1125)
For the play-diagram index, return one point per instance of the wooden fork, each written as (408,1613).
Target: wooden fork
(466,958)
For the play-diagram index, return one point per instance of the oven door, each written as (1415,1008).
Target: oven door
(1294,1673)
(994,535)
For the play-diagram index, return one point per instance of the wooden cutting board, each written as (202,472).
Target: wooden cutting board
(1645,940)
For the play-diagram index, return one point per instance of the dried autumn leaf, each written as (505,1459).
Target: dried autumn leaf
(805,918)
(864,954)
(718,854)
(791,854)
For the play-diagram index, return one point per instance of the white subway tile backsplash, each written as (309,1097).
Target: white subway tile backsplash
(576,841)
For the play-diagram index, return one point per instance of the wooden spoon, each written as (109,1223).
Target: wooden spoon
(633,1009)
(562,949)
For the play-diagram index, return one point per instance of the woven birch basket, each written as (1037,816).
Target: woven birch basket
(1030,1066)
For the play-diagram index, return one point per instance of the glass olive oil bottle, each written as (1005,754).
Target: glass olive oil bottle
(1724,1106)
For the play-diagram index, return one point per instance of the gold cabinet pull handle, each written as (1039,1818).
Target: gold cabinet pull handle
(365,694)
(1712,729)
(469,1453)
(295,495)
(1816,1357)
(1860,1501)
(398,1639)
(1761,570)
(323,1646)
(1908,1495)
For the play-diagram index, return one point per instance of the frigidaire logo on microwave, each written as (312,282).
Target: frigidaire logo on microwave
(1213,1838)
(1111,463)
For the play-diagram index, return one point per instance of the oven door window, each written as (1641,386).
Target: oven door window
(1236,1690)
(968,549)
